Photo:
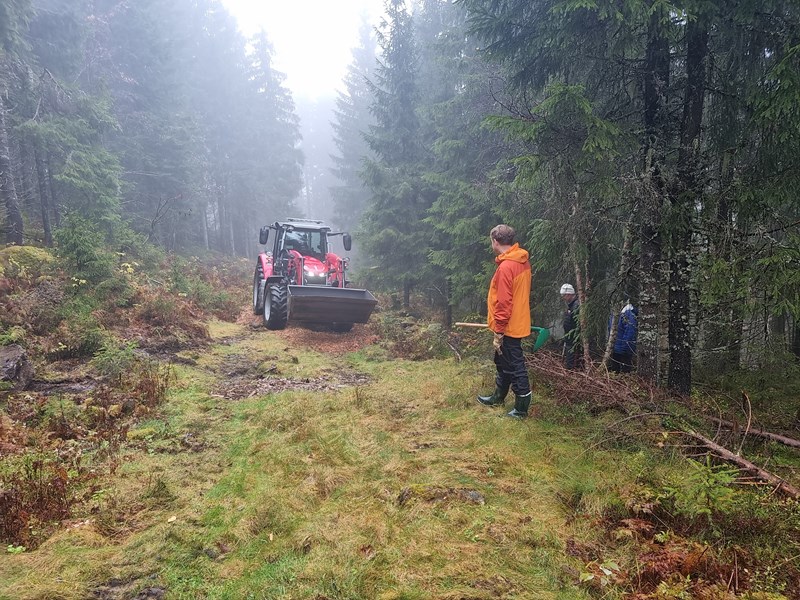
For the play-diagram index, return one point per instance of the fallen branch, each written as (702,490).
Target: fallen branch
(759,432)
(746,400)
(745,465)
(455,351)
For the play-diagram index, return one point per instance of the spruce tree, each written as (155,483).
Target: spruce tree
(394,231)
(352,120)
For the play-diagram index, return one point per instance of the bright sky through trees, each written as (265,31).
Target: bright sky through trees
(312,38)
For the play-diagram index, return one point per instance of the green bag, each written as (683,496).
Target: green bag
(542,335)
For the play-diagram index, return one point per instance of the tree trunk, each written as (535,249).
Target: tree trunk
(53,197)
(723,326)
(204,209)
(656,82)
(225,230)
(26,193)
(41,178)
(624,267)
(777,331)
(8,191)
(684,200)
(584,326)
(448,311)
(231,236)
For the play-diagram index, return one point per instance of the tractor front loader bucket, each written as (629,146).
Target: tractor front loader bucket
(318,304)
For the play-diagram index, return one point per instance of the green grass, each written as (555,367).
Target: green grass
(297,495)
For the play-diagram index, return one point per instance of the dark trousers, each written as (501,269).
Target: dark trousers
(511,369)
(620,362)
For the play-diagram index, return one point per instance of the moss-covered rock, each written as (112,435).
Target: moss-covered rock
(26,262)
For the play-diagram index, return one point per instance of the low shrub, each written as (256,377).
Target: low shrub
(35,489)
(13,335)
(151,382)
(702,491)
(134,246)
(116,292)
(41,308)
(115,358)
(207,284)
(412,339)
(158,310)
(78,336)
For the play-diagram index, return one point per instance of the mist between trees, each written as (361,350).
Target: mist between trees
(644,150)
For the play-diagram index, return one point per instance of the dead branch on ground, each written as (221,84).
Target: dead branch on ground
(758,432)
(745,465)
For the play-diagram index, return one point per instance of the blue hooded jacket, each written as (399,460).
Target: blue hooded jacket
(627,328)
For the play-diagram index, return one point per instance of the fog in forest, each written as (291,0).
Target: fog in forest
(643,153)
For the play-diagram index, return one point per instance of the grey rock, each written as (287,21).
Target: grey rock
(15,367)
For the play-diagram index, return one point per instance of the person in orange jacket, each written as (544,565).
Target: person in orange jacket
(510,320)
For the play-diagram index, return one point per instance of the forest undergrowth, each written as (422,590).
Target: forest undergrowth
(168,446)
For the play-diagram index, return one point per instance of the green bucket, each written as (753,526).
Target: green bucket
(542,335)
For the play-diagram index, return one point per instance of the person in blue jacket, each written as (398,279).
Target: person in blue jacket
(625,343)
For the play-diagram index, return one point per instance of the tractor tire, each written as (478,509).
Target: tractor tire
(276,307)
(258,292)
(342,327)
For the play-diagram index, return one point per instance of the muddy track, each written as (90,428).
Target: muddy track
(243,376)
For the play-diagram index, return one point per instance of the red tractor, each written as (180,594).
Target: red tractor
(302,280)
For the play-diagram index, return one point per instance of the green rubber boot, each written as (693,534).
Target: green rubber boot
(498,398)
(521,406)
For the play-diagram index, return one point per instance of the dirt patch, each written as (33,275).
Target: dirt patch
(239,388)
(241,366)
(316,337)
(497,586)
(117,589)
(325,341)
(63,386)
(436,494)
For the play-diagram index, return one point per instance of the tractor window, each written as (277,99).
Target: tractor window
(305,242)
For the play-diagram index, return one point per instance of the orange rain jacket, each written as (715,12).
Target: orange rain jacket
(509,294)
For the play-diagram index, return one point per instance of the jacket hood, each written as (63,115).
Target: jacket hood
(514,253)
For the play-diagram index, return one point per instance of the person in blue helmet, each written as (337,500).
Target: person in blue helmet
(625,343)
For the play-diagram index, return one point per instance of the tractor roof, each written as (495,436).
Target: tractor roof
(303,224)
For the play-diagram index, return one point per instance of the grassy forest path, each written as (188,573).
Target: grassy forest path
(304,464)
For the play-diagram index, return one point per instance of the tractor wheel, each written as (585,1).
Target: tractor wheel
(342,327)
(258,292)
(276,307)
